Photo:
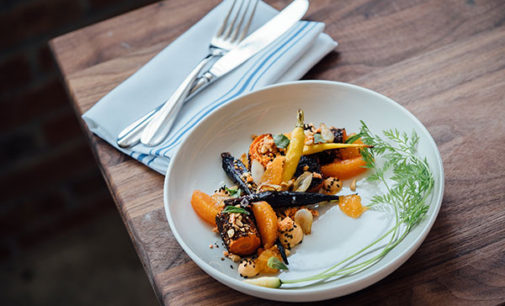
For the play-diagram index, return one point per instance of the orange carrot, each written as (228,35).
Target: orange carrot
(238,231)
(349,153)
(273,173)
(344,168)
(255,149)
(244,245)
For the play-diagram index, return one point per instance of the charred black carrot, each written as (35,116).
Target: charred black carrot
(237,172)
(282,251)
(282,198)
(310,163)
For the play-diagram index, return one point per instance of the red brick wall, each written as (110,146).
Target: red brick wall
(48,178)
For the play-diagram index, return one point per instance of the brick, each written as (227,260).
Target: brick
(15,72)
(55,188)
(91,183)
(37,18)
(4,251)
(63,128)
(29,212)
(33,103)
(119,5)
(48,171)
(45,60)
(96,5)
(96,207)
(18,145)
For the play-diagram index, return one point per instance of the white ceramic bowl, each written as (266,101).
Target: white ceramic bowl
(197,165)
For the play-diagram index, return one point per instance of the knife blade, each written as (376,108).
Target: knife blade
(261,38)
(158,128)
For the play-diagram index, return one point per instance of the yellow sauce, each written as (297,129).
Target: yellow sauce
(351,205)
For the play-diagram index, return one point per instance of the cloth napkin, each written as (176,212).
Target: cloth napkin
(286,59)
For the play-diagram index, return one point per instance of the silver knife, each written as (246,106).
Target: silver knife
(159,126)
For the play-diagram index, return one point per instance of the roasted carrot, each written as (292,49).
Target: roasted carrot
(278,199)
(239,233)
(344,168)
(295,148)
(244,245)
(344,147)
(262,149)
(349,153)
(235,170)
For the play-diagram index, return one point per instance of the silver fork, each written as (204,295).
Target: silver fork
(232,31)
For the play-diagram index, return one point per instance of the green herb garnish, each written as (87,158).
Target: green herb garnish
(233,209)
(281,141)
(353,138)
(233,192)
(408,181)
(274,263)
(318,139)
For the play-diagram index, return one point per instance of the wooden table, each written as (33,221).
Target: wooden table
(443,60)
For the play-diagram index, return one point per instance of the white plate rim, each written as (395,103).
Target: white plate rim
(313,293)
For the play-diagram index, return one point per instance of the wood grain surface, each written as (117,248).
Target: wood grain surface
(443,60)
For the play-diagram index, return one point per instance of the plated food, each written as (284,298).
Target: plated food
(336,257)
(275,190)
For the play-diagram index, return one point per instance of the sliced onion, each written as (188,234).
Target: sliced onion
(257,171)
(326,134)
(304,218)
(303,182)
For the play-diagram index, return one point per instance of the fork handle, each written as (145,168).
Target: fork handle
(131,134)
(157,129)
(202,81)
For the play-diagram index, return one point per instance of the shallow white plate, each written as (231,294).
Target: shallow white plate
(197,165)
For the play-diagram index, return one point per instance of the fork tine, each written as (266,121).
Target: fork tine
(231,24)
(236,30)
(251,16)
(225,21)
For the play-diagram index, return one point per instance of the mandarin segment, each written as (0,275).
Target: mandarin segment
(266,220)
(351,205)
(205,207)
(273,173)
(264,256)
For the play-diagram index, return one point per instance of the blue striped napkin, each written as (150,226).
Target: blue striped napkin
(287,59)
